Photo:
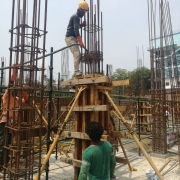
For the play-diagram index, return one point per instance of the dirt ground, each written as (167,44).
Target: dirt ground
(59,170)
(62,171)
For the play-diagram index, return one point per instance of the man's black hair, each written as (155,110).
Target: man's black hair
(94,130)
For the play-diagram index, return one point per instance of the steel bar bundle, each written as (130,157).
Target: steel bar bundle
(92,57)
(163,65)
(158,92)
(21,158)
(173,69)
(2,71)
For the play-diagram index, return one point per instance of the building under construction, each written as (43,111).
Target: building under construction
(53,119)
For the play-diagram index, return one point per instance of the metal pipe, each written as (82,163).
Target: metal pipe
(42,75)
(88,46)
(95,47)
(49,109)
(81,48)
(46,55)
(37,43)
(102,42)
(139,123)
(11,42)
(32,40)
(18,31)
(98,29)
(107,73)
(2,72)
(85,44)
(57,115)
(2,76)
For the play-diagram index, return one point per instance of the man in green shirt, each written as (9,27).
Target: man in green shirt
(98,161)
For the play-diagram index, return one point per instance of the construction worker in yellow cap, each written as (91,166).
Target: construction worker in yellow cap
(73,36)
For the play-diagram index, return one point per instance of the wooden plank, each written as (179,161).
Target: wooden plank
(81,135)
(84,124)
(102,95)
(145,115)
(88,76)
(122,108)
(77,163)
(76,142)
(92,75)
(74,162)
(104,88)
(66,160)
(121,160)
(92,102)
(148,107)
(96,102)
(120,83)
(164,165)
(87,108)
(120,134)
(96,80)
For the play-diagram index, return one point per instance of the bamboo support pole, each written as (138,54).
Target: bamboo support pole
(39,113)
(62,114)
(58,120)
(131,168)
(134,136)
(43,118)
(129,133)
(166,163)
(58,134)
(146,145)
(69,148)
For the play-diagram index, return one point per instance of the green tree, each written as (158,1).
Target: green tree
(140,81)
(120,74)
(47,83)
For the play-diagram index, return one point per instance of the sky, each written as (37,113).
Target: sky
(125,27)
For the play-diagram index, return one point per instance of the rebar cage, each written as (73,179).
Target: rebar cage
(92,58)
(23,130)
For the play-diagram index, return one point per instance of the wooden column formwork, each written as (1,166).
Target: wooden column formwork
(93,106)
(92,103)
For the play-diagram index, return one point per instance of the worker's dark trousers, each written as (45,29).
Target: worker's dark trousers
(1,142)
(2,151)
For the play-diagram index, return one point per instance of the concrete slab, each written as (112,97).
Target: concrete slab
(163,156)
(63,171)
(59,170)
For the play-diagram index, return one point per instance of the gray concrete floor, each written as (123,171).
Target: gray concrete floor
(62,171)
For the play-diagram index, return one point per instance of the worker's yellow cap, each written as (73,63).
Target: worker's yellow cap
(84,5)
